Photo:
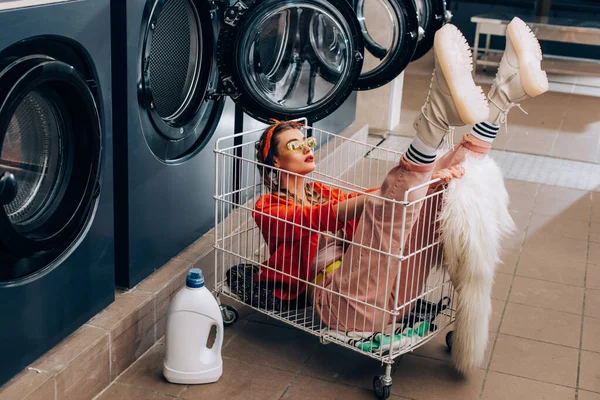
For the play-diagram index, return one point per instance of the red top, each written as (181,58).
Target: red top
(292,247)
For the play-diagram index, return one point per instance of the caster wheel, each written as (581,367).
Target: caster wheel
(230,315)
(381,390)
(449,338)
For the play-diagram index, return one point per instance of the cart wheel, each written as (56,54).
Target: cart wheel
(230,314)
(381,390)
(449,338)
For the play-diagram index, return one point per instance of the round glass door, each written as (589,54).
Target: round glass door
(32,152)
(177,76)
(432,16)
(390,32)
(50,148)
(290,59)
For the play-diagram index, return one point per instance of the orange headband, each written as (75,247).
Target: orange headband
(267,148)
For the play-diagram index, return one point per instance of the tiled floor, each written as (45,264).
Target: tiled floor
(545,327)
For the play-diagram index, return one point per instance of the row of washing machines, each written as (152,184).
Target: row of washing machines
(109,112)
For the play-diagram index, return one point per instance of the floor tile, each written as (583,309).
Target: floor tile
(595,232)
(551,267)
(564,202)
(513,243)
(535,360)
(26,384)
(437,348)
(146,373)
(501,286)
(118,391)
(538,169)
(547,245)
(501,387)
(595,207)
(531,139)
(271,346)
(549,295)
(582,148)
(71,348)
(543,325)
(497,311)
(584,395)
(594,254)
(422,378)
(592,303)
(305,387)
(591,334)
(559,225)
(521,194)
(502,139)
(508,263)
(47,391)
(232,332)
(521,219)
(337,364)
(592,279)
(241,380)
(86,376)
(589,378)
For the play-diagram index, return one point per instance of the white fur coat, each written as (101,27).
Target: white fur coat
(474,220)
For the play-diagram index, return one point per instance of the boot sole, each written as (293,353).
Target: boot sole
(456,61)
(529,54)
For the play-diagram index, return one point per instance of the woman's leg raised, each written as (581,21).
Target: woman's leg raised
(363,288)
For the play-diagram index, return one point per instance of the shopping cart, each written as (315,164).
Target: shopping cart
(351,166)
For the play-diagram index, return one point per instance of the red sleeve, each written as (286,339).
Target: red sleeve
(284,219)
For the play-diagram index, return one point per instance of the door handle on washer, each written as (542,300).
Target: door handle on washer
(8,188)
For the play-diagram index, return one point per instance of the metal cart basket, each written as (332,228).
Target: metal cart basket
(353,167)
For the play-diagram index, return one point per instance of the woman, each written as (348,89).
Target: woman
(352,282)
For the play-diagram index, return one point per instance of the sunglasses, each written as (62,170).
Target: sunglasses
(298,145)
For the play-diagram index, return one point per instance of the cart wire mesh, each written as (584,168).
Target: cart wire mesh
(411,301)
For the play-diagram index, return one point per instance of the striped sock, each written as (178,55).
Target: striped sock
(419,153)
(485,131)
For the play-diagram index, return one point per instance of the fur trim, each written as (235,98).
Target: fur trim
(474,220)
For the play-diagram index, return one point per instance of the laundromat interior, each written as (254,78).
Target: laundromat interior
(137,146)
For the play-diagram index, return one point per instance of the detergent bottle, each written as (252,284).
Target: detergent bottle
(192,314)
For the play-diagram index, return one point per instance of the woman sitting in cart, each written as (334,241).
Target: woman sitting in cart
(348,281)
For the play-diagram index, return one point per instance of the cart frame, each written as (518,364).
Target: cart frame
(351,166)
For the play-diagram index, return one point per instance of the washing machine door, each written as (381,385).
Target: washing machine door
(432,14)
(390,32)
(287,59)
(178,77)
(50,152)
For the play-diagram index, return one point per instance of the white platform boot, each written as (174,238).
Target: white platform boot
(520,75)
(453,99)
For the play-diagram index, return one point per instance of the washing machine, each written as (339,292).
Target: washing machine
(432,15)
(166,120)
(56,189)
(380,23)
(179,68)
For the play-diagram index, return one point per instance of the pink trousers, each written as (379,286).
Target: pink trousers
(363,288)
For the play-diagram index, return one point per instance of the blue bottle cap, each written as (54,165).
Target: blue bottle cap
(195,279)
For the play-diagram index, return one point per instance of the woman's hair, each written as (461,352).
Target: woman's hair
(267,149)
